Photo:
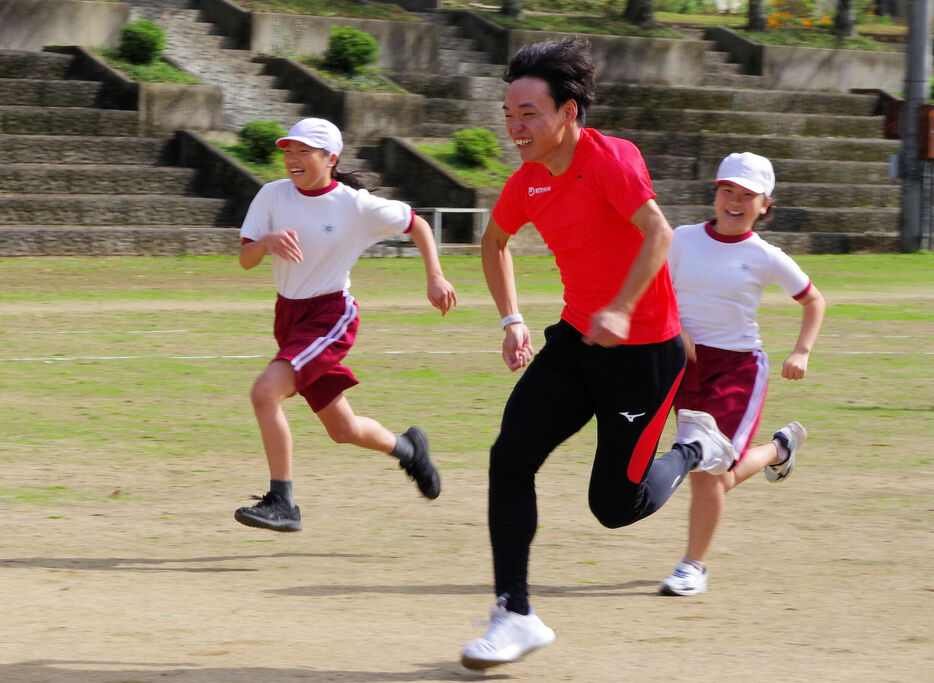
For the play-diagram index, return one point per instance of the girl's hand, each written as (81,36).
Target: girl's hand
(284,244)
(795,366)
(441,294)
(690,351)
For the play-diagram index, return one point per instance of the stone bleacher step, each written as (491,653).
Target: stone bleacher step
(774,147)
(123,240)
(67,121)
(743,122)
(48,93)
(665,166)
(810,195)
(112,210)
(800,219)
(28,65)
(82,149)
(736,99)
(110,179)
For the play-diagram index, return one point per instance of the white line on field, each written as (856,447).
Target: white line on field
(61,359)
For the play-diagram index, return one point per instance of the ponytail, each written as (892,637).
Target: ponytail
(350,179)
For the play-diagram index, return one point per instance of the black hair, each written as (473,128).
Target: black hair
(565,65)
(350,178)
(769,215)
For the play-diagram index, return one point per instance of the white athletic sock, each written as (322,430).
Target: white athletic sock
(783,452)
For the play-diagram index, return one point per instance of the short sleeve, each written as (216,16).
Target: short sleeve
(258,221)
(625,179)
(508,211)
(788,274)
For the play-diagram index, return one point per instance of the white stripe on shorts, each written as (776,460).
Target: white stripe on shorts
(314,349)
(756,400)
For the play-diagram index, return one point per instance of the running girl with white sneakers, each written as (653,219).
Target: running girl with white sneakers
(719,269)
(316,224)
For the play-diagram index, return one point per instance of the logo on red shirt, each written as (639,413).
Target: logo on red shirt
(538,190)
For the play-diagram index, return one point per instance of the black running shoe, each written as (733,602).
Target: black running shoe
(419,466)
(271,512)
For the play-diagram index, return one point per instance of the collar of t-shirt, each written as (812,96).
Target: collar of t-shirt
(319,191)
(729,239)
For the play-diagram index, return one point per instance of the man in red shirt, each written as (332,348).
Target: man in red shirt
(615,354)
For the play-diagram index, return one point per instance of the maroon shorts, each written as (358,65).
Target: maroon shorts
(314,335)
(731,386)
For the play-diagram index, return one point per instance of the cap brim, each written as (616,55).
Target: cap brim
(744,183)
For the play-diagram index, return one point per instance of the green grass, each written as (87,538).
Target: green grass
(330,8)
(491,173)
(158,71)
(364,80)
(815,37)
(148,363)
(274,169)
(599,24)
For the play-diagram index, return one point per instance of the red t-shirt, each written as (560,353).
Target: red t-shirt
(583,216)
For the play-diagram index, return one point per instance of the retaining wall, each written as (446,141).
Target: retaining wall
(362,116)
(808,68)
(33,24)
(403,45)
(162,107)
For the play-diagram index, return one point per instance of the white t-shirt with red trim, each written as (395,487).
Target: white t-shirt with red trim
(335,226)
(584,216)
(719,281)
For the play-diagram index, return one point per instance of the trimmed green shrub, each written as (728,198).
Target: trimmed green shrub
(141,42)
(476,145)
(350,49)
(259,138)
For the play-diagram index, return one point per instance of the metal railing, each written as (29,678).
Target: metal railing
(437,214)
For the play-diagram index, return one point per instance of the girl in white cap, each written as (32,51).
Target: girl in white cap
(719,269)
(316,224)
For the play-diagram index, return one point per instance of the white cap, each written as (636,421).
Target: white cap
(749,171)
(318,133)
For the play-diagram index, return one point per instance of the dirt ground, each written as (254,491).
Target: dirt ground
(390,588)
(825,577)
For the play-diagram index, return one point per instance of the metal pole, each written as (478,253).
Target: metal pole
(917,92)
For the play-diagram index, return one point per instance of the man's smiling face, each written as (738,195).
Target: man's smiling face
(537,125)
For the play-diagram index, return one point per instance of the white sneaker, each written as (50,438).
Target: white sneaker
(509,637)
(686,579)
(697,427)
(792,435)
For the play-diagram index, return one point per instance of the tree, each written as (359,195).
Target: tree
(511,8)
(844,21)
(756,16)
(640,12)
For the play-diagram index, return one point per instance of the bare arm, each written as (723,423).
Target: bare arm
(282,243)
(610,325)
(501,281)
(812,315)
(440,292)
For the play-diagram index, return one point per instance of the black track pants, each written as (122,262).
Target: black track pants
(630,390)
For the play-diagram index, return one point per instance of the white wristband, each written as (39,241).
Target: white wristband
(511,320)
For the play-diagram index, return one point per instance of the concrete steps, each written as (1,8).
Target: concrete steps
(37,120)
(811,195)
(726,99)
(713,144)
(197,47)
(112,210)
(95,179)
(81,149)
(740,122)
(93,187)
(49,93)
